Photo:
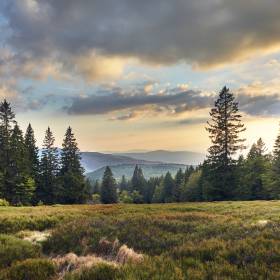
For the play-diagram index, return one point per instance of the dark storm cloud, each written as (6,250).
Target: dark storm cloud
(158,31)
(175,103)
(260,105)
(117,101)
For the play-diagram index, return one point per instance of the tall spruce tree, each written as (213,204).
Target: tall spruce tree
(257,165)
(49,165)
(274,184)
(168,188)
(273,177)
(123,184)
(224,129)
(138,181)
(108,187)
(7,122)
(179,183)
(32,152)
(21,185)
(73,188)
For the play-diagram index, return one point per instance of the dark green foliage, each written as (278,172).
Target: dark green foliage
(31,269)
(32,156)
(137,197)
(179,183)
(21,185)
(157,196)
(253,182)
(138,182)
(14,249)
(96,187)
(97,272)
(48,170)
(31,152)
(168,188)
(124,184)
(157,268)
(224,130)
(108,187)
(7,121)
(192,190)
(72,185)
(273,178)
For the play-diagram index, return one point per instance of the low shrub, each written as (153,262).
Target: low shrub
(98,272)
(31,269)
(156,268)
(14,249)
(4,202)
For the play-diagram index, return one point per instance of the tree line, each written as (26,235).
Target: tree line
(224,175)
(28,178)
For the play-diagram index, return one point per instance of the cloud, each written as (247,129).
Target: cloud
(192,121)
(96,38)
(260,105)
(129,105)
(126,117)
(8,92)
(120,100)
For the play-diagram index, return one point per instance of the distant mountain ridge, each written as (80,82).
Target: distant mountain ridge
(92,161)
(178,157)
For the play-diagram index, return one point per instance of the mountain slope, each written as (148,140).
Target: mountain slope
(179,157)
(149,170)
(92,160)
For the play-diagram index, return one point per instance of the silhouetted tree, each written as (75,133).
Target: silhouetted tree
(49,166)
(168,188)
(7,122)
(72,186)
(21,185)
(138,182)
(108,187)
(32,153)
(224,129)
(179,183)
(274,175)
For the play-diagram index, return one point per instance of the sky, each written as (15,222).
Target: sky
(140,75)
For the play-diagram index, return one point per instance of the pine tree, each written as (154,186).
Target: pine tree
(274,184)
(123,184)
(96,187)
(179,183)
(256,168)
(192,190)
(20,185)
(108,187)
(189,170)
(48,170)
(32,154)
(138,182)
(224,130)
(168,188)
(7,121)
(73,187)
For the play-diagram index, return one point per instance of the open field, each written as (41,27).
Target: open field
(219,240)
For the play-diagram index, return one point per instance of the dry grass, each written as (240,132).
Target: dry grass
(126,254)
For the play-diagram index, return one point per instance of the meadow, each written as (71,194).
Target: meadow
(211,240)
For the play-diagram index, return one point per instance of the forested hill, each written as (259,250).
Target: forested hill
(149,170)
(92,161)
